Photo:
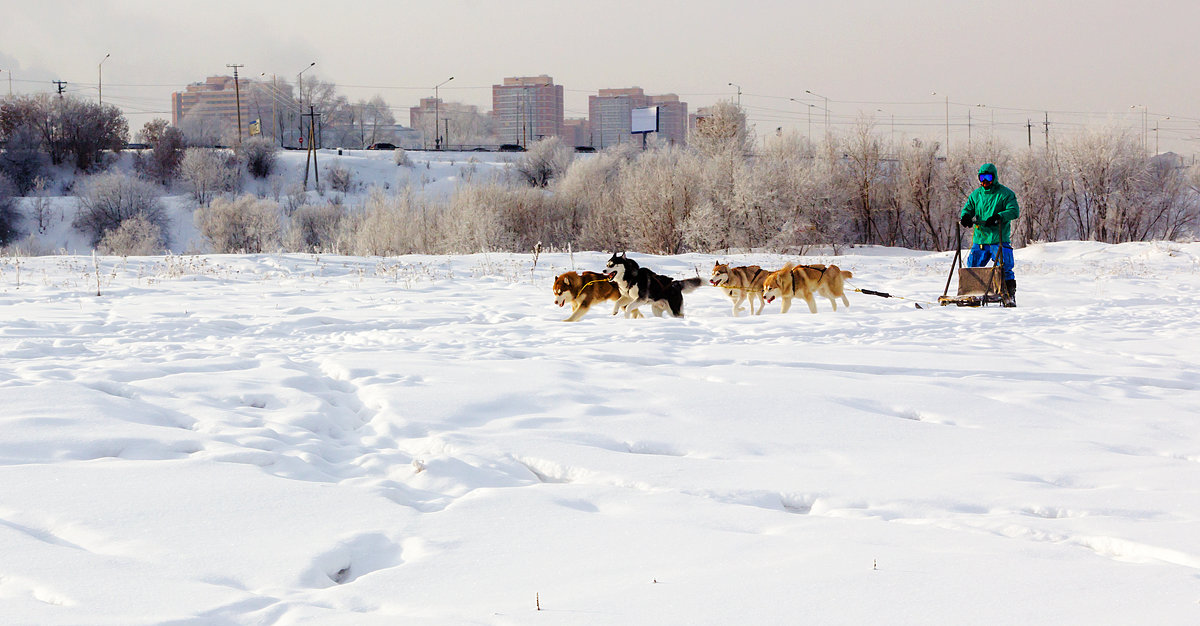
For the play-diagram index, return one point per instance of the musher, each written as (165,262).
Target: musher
(990,208)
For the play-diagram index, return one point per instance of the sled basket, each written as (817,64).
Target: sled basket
(977,286)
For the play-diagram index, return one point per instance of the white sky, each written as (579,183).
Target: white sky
(1084,62)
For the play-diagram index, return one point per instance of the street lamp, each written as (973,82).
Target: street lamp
(437,141)
(947,98)
(300,84)
(100,78)
(893,116)
(739,93)
(1143,107)
(1156,127)
(809,107)
(812,93)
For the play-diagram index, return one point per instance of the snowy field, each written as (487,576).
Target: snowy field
(420,440)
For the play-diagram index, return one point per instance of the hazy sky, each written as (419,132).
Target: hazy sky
(1092,62)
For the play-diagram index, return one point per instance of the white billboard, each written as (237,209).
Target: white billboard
(644,120)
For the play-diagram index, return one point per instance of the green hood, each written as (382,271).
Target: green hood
(988,168)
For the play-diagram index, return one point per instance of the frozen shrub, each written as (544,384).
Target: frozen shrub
(339,178)
(107,200)
(400,158)
(207,173)
(390,225)
(315,228)
(22,160)
(245,224)
(545,160)
(258,153)
(10,217)
(136,236)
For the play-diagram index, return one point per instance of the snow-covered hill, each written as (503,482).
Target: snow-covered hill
(435,174)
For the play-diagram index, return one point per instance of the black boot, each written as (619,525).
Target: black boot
(1008,295)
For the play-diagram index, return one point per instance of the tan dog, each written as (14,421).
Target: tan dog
(805,280)
(582,291)
(741,283)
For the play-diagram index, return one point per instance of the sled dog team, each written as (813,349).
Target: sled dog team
(631,286)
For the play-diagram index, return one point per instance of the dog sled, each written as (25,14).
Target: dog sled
(977,286)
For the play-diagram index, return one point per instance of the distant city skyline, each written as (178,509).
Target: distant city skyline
(982,67)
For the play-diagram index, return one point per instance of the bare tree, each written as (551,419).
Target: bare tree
(208,172)
(107,200)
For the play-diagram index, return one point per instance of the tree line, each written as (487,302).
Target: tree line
(724,191)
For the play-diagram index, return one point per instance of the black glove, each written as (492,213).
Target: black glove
(992,221)
(966,221)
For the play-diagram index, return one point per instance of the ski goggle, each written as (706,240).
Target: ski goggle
(987,178)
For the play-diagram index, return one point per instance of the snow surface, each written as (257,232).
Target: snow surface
(341,440)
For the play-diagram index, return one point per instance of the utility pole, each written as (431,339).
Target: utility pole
(1029,130)
(237,92)
(62,86)
(447,133)
(1047,125)
(100,78)
(312,148)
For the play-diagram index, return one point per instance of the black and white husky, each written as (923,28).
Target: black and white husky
(639,286)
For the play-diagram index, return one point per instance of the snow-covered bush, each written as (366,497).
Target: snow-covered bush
(544,160)
(136,236)
(315,228)
(10,217)
(107,200)
(339,178)
(258,153)
(245,224)
(22,159)
(208,173)
(392,224)
(400,158)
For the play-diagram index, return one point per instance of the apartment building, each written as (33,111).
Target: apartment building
(527,108)
(215,98)
(611,112)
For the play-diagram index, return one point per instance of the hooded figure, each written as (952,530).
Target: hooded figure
(990,208)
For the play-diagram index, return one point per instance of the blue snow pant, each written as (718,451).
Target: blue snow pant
(985,254)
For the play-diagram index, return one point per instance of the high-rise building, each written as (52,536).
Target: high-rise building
(672,118)
(611,115)
(216,99)
(577,132)
(527,108)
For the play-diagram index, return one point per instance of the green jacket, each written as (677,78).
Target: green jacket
(984,203)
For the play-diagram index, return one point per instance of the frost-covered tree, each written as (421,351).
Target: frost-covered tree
(208,172)
(10,217)
(243,225)
(70,129)
(258,153)
(660,190)
(107,200)
(545,159)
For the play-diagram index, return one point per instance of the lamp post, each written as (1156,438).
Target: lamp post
(739,93)
(300,97)
(300,83)
(100,78)
(274,116)
(893,116)
(813,93)
(437,141)
(947,99)
(809,107)
(1156,127)
(1143,107)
